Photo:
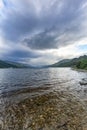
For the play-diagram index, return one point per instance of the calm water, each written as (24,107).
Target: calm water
(19,85)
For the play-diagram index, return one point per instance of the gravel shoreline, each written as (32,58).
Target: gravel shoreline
(53,111)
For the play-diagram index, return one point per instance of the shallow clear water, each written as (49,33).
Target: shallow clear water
(17,85)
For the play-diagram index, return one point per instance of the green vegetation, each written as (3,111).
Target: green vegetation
(79,63)
(5,64)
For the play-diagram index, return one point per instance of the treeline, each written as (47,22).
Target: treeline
(79,63)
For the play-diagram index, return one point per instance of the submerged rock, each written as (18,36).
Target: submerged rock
(83,83)
(52,111)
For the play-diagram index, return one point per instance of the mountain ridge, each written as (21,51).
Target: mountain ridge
(9,64)
(79,63)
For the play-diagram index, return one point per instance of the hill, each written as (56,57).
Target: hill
(79,63)
(6,64)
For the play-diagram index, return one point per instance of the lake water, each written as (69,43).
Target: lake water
(28,97)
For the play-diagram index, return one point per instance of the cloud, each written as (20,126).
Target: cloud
(35,27)
(44,40)
(23,17)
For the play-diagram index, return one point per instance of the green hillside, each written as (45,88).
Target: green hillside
(79,63)
(5,64)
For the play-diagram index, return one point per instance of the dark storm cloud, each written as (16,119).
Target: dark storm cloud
(22,21)
(20,55)
(23,54)
(54,38)
(17,25)
(43,40)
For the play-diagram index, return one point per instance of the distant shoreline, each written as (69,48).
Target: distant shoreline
(81,70)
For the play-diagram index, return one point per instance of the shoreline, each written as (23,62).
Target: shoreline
(80,70)
(55,110)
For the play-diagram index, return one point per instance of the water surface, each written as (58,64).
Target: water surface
(43,99)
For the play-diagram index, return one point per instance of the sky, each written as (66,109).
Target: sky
(42,32)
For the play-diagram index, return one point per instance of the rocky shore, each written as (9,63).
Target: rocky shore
(56,110)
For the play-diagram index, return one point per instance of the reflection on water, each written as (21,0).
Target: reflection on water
(43,99)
